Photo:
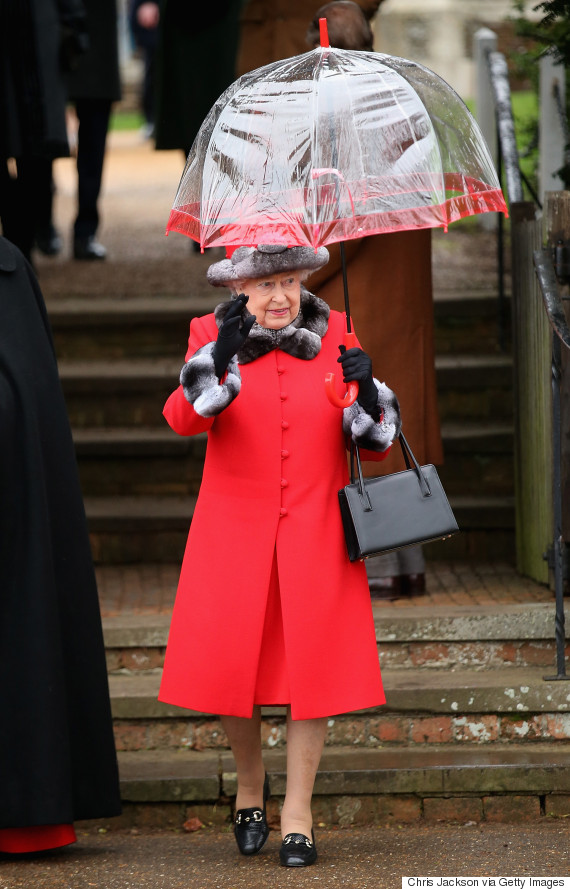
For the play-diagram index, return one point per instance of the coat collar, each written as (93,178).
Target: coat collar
(301,339)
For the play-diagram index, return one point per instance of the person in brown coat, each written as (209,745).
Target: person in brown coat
(390,283)
(276,29)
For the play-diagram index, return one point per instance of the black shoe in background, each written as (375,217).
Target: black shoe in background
(48,240)
(88,249)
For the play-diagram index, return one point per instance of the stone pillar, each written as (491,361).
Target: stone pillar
(551,140)
(485,41)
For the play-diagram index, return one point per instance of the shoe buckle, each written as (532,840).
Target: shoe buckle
(289,839)
(256,816)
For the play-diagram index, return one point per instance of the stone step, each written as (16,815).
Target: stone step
(486,530)
(118,393)
(135,327)
(469,322)
(138,529)
(127,392)
(459,637)
(155,528)
(424,707)
(474,387)
(154,460)
(469,784)
(478,458)
(157,325)
(134,461)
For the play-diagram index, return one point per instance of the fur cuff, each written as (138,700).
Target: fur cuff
(365,431)
(201,386)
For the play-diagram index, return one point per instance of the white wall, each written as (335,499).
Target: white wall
(438,33)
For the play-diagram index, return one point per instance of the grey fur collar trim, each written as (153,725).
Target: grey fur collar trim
(301,339)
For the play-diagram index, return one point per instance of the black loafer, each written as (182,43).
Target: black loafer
(250,826)
(48,240)
(88,249)
(297,850)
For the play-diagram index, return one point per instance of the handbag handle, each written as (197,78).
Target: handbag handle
(422,480)
(363,493)
(408,456)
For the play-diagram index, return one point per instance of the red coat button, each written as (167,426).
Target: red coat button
(284,482)
(284,454)
(280,370)
(283,512)
(283,396)
(284,424)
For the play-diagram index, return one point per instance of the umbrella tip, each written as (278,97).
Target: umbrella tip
(324,33)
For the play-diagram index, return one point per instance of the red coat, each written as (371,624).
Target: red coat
(275,460)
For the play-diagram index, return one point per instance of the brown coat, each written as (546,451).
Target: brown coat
(389,275)
(276,29)
(389,279)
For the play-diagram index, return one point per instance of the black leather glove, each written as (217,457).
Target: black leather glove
(231,335)
(357,366)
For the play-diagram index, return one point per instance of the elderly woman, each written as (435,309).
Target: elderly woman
(269,610)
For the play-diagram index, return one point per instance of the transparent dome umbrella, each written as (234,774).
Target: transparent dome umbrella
(333,145)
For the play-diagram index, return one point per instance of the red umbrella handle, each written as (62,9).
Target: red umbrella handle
(351,393)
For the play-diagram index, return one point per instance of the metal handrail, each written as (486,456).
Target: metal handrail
(507,159)
(545,273)
(506,138)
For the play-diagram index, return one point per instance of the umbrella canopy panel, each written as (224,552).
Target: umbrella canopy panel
(333,145)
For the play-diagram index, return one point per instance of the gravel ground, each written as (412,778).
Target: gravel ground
(371,858)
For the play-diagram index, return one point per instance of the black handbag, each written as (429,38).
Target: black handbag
(389,512)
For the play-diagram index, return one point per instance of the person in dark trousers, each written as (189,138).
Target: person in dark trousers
(195,63)
(57,754)
(144,18)
(39,41)
(93,87)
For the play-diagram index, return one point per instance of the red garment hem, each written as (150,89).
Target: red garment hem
(36,838)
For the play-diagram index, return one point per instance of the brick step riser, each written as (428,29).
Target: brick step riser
(478,339)
(348,810)
(165,340)
(470,336)
(116,547)
(474,545)
(478,403)
(459,328)
(461,474)
(159,545)
(477,474)
(395,730)
(93,402)
(435,655)
(131,476)
(121,408)
(91,409)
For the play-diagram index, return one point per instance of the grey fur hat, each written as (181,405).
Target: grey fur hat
(265,259)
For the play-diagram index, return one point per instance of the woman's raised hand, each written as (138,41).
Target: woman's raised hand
(231,335)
